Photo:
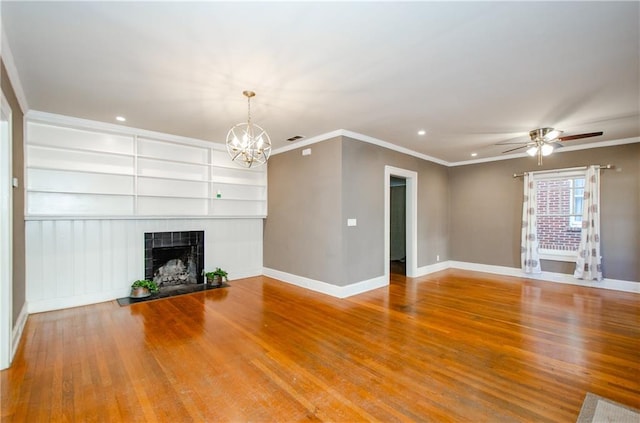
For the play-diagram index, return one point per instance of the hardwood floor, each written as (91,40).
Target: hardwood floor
(453,346)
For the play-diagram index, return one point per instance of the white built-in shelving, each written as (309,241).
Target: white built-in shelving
(78,171)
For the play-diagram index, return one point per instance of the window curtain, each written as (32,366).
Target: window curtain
(589,264)
(529,244)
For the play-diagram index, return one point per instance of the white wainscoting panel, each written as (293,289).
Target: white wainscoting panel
(76,262)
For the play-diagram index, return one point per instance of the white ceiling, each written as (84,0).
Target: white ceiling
(470,74)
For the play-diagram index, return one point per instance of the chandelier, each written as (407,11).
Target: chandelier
(247,143)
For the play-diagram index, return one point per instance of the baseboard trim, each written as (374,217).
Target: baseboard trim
(327,288)
(432,268)
(18,329)
(612,284)
(40,306)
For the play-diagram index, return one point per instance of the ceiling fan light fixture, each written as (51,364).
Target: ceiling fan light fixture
(532,151)
(546,149)
(544,134)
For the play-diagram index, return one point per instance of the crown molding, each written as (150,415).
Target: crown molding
(559,151)
(80,123)
(358,137)
(390,146)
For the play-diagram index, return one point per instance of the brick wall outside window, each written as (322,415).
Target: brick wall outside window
(554,230)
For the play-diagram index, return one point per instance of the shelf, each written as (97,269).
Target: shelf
(43,217)
(213,181)
(129,176)
(79,150)
(170,151)
(97,172)
(160,159)
(46,203)
(169,178)
(113,194)
(73,160)
(238,199)
(172,196)
(70,138)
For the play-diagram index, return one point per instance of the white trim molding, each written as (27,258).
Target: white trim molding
(564,149)
(432,268)
(358,137)
(612,284)
(6,232)
(390,146)
(50,304)
(18,329)
(381,281)
(327,288)
(411,248)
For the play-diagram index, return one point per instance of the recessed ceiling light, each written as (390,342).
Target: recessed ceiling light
(474,154)
(121,118)
(422,132)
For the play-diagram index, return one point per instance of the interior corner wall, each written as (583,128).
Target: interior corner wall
(486,207)
(302,232)
(363,169)
(18,249)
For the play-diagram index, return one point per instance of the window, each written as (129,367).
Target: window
(575,219)
(559,214)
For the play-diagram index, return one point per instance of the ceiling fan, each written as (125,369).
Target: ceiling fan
(545,140)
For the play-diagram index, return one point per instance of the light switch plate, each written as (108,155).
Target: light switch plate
(15,182)
(352,222)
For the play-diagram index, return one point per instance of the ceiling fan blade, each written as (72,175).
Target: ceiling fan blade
(517,148)
(512,141)
(579,136)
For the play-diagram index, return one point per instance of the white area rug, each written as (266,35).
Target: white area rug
(596,409)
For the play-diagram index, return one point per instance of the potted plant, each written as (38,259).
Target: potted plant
(143,288)
(216,277)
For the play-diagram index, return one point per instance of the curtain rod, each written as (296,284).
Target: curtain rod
(602,167)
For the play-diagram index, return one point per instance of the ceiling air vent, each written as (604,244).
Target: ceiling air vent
(295,138)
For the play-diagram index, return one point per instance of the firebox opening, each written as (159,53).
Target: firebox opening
(174,266)
(174,259)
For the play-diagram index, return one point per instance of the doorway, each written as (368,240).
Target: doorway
(398,225)
(410,179)
(6,236)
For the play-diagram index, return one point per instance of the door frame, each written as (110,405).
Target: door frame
(6,232)
(411,219)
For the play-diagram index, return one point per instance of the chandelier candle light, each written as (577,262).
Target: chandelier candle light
(247,143)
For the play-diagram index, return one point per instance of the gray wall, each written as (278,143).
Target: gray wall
(486,204)
(302,234)
(18,251)
(363,193)
(311,198)
(468,213)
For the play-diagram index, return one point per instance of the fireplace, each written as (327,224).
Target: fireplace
(174,258)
